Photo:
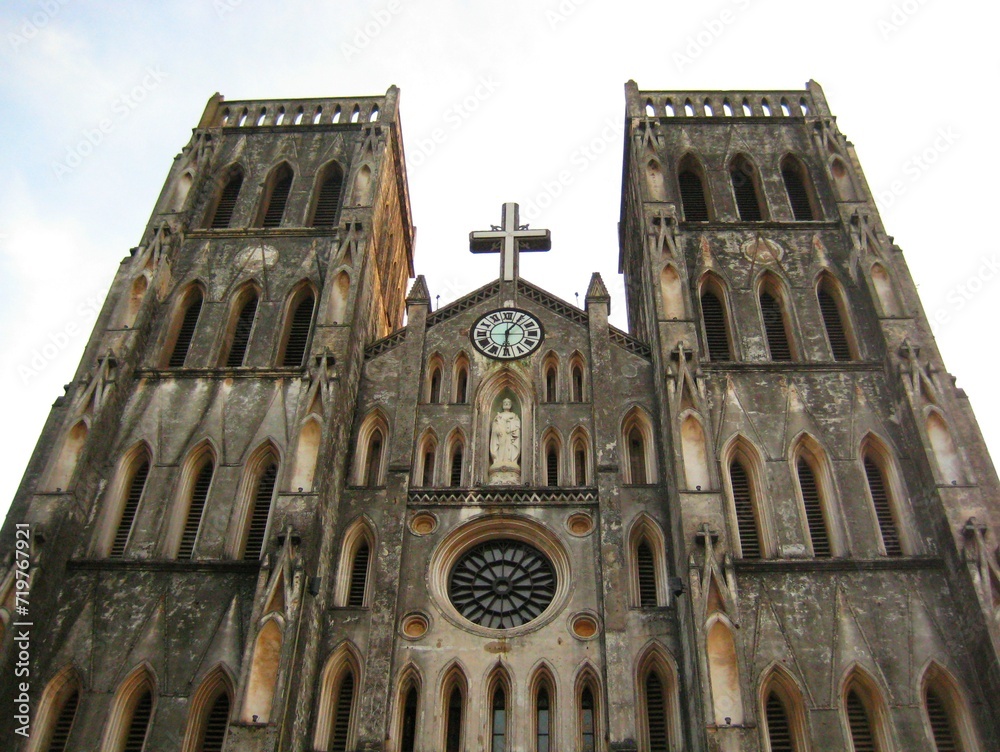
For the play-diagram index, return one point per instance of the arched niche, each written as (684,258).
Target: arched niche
(695,454)
(263,674)
(724,673)
(362,186)
(69,455)
(672,292)
(655,185)
(945,453)
(341,292)
(493,390)
(306,453)
(884,290)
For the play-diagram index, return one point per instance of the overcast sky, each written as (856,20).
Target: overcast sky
(98,97)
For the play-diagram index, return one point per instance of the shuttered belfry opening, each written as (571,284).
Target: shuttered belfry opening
(279,197)
(834,325)
(298,333)
(456,467)
(359,576)
(135,489)
(883,508)
(798,196)
(774,327)
(139,725)
(342,715)
(692,197)
(646,572)
(408,734)
(185,333)
(779,731)
(945,738)
(64,723)
(714,316)
(746,514)
(814,509)
(241,334)
(551,466)
(261,513)
(216,725)
(227,202)
(745,193)
(328,202)
(199,494)
(860,724)
(656,713)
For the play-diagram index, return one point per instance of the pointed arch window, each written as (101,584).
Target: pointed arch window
(656,713)
(744,183)
(408,730)
(779,730)
(64,723)
(435,386)
(222,214)
(185,330)
(498,720)
(299,329)
(462,383)
(812,500)
(373,459)
(136,485)
(261,511)
(453,724)
(833,321)
(57,711)
(328,200)
(579,462)
(551,395)
(637,456)
(241,332)
(692,190)
(455,478)
(588,721)
(427,471)
(860,724)
(942,727)
(277,198)
(645,567)
(745,506)
(552,462)
(716,323)
(210,718)
(196,508)
(796,186)
(138,728)
(577,383)
(775,325)
(342,713)
(359,576)
(883,503)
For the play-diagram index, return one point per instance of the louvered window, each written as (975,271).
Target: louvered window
(342,714)
(745,193)
(241,334)
(261,513)
(779,730)
(551,467)
(359,576)
(883,508)
(716,336)
(645,566)
(693,197)
(746,512)
(436,386)
(408,733)
(815,518)
(860,724)
(199,494)
(185,334)
(227,203)
(139,724)
(798,196)
(456,467)
(462,388)
(656,713)
(637,456)
(834,325)
(577,384)
(279,197)
(298,333)
(543,721)
(580,465)
(453,733)
(135,489)
(550,385)
(374,460)
(588,721)
(328,202)
(64,723)
(428,479)
(216,725)
(499,722)
(774,327)
(945,738)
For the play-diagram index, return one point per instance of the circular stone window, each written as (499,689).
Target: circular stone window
(502,584)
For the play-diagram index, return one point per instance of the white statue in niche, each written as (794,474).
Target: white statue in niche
(505,446)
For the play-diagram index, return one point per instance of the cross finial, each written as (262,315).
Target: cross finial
(509,239)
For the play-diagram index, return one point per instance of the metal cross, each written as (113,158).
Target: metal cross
(509,240)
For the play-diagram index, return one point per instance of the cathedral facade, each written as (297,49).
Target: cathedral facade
(285,504)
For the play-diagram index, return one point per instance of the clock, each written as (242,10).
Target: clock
(506,334)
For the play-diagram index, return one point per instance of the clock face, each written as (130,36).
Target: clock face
(507,334)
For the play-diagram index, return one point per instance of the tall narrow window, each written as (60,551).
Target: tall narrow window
(745,192)
(588,721)
(543,720)
(453,730)
(429,458)
(577,384)
(550,384)
(883,508)
(815,519)
(580,464)
(328,201)
(374,475)
(185,333)
(138,726)
(692,196)
(860,724)
(359,576)
(551,465)
(779,730)
(456,466)
(746,512)
(298,333)
(136,485)
(279,197)
(795,187)
(226,205)
(637,456)
(261,513)
(945,737)
(408,732)
(64,723)
(834,325)
(716,330)
(216,725)
(498,730)
(196,508)
(656,713)
(774,327)
(645,567)
(342,715)
(435,396)
(462,386)
(241,334)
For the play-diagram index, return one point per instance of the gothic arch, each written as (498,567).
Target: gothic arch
(124,497)
(645,530)
(130,700)
(57,709)
(694,451)
(821,496)
(306,454)
(748,193)
(224,197)
(362,186)
(863,706)
(460,379)
(638,447)
(878,466)
(503,383)
(130,306)
(541,679)
(240,323)
(799,189)
(344,661)
(273,205)
(250,507)
(354,573)
(63,469)
(179,194)
(885,290)
(672,293)
(777,316)
(579,457)
(341,295)
(187,306)
(205,710)
(424,465)
(587,679)
(258,702)
(749,517)
(723,671)
(691,182)
(946,456)
(835,317)
(551,452)
(781,704)
(410,680)
(717,324)
(577,377)
(655,668)
(372,450)
(842,181)
(185,519)
(655,185)
(327,195)
(499,694)
(299,317)
(456,458)
(434,380)
(454,714)
(550,377)
(945,709)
